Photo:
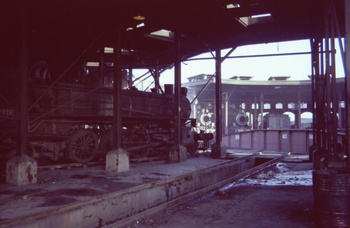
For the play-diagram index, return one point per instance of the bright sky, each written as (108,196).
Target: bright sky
(298,67)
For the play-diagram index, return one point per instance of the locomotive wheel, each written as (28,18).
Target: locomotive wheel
(83,146)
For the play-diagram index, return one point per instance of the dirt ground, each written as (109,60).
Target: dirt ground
(278,197)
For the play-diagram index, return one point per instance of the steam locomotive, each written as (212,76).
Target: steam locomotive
(74,120)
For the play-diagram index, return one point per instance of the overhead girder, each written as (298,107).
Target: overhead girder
(60,32)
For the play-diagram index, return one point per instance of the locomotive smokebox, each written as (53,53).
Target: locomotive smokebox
(242,119)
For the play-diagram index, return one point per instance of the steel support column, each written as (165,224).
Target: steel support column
(347,75)
(218,97)
(117,89)
(325,95)
(156,76)
(177,80)
(332,103)
(218,149)
(22,169)
(317,95)
(177,152)
(130,82)
(102,64)
(23,121)
(314,67)
(117,159)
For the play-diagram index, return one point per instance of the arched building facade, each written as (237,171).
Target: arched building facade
(245,101)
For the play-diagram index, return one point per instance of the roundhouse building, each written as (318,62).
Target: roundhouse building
(281,102)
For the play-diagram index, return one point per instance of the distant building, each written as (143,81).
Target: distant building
(245,100)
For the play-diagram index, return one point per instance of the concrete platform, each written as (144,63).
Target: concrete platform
(91,197)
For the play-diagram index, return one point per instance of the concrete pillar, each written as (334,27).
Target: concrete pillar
(21,170)
(117,160)
(177,153)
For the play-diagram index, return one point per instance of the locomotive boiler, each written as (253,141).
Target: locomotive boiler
(74,120)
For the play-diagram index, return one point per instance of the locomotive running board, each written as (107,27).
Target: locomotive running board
(120,208)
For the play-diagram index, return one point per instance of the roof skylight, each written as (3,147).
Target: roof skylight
(232,6)
(163,33)
(140,25)
(261,15)
(110,50)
